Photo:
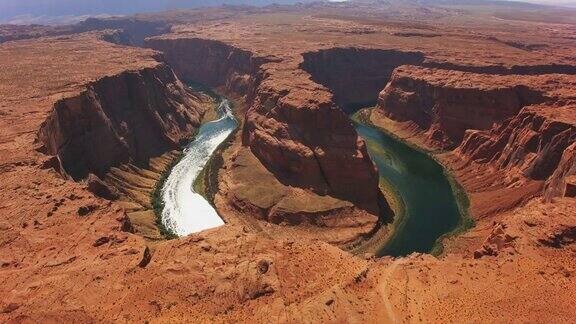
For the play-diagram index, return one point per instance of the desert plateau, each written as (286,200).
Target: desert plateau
(355,161)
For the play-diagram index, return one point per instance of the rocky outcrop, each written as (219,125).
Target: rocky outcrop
(531,145)
(563,180)
(355,75)
(100,188)
(445,104)
(310,143)
(248,188)
(565,235)
(508,136)
(496,242)
(292,126)
(129,117)
(212,63)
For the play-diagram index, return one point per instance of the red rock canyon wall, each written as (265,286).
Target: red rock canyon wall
(122,118)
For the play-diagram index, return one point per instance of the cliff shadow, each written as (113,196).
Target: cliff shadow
(355,76)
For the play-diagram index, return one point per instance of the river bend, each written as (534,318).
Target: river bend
(185,211)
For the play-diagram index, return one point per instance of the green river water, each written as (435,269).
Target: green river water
(429,201)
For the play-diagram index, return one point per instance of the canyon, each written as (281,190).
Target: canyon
(93,119)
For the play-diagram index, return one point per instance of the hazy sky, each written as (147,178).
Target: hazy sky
(12,8)
(9,9)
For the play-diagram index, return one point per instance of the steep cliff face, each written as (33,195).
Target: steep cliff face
(136,29)
(445,104)
(563,180)
(354,75)
(212,63)
(535,144)
(292,125)
(129,117)
(507,135)
(310,143)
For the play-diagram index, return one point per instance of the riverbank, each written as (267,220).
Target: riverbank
(206,183)
(401,221)
(157,196)
(156,199)
(185,210)
(415,139)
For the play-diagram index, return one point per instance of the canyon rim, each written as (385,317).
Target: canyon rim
(370,161)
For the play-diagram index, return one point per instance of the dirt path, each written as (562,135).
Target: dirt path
(385,291)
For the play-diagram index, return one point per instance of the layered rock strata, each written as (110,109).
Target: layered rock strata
(212,63)
(115,123)
(129,117)
(65,255)
(532,144)
(356,75)
(445,104)
(563,180)
(510,133)
(292,125)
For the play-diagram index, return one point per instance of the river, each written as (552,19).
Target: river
(430,208)
(186,211)
(430,205)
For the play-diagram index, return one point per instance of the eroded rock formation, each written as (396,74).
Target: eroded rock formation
(532,144)
(129,117)
(356,75)
(296,131)
(563,180)
(521,126)
(445,104)
(212,63)
(65,254)
(311,144)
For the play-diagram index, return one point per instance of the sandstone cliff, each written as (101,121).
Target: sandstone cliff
(292,125)
(563,180)
(531,143)
(212,63)
(310,144)
(65,258)
(510,133)
(129,117)
(355,75)
(445,104)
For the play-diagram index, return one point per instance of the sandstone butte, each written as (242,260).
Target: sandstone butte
(89,123)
